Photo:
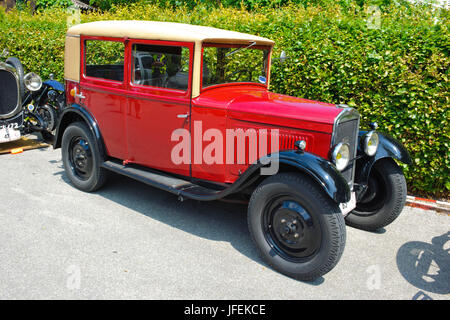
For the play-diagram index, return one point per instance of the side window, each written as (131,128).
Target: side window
(161,66)
(104,59)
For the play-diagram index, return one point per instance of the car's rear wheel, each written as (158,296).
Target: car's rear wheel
(298,230)
(81,158)
(384,199)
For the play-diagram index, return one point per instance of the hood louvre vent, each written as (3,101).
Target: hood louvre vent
(287,141)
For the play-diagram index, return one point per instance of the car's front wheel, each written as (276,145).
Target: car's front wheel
(81,158)
(298,229)
(383,200)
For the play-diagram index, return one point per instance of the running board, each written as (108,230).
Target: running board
(182,188)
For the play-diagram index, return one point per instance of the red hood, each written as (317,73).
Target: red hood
(255,104)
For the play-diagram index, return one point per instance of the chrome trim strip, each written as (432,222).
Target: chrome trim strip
(355,153)
(18,107)
(347,114)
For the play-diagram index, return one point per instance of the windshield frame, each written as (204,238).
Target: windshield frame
(237,45)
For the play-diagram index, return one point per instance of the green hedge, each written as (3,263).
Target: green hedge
(395,74)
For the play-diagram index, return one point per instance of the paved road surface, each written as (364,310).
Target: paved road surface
(129,240)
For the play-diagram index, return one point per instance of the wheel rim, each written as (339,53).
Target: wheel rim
(375,197)
(80,158)
(291,230)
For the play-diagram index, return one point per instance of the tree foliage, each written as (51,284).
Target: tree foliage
(391,64)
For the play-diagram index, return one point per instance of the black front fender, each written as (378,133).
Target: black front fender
(320,170)
(388,147)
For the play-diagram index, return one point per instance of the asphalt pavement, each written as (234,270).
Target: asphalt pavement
(131,241)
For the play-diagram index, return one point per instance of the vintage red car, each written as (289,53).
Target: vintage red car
(188,109)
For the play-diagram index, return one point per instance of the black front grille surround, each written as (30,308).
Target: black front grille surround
(345,129)
(17,119)
(10,102)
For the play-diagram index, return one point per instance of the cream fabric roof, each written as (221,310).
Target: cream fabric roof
(163,31)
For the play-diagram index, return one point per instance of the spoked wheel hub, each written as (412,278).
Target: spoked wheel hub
(291,230)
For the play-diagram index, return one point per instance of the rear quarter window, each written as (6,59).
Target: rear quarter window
(104,59)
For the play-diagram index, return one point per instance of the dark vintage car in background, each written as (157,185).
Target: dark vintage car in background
(27,104)
(11,115)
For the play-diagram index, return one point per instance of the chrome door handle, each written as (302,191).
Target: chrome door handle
(80,95)
(183,116)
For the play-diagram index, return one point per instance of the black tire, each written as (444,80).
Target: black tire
(384,200)
(308,246)
(81,158)
(48,137)
(14,62)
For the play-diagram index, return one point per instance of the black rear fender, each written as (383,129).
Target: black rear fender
(76,113)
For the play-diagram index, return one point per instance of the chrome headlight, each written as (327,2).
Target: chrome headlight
(32,81)
(371,141)
(341,156)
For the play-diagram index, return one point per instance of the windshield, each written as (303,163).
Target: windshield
(234,63)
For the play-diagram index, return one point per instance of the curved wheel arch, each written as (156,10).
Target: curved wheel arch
(76,113)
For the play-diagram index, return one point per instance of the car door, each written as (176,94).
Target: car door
(159,94)
(102,88)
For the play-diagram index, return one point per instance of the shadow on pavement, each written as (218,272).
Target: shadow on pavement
(426,265)
(212,220)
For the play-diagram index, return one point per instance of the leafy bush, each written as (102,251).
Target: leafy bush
(107,4)
(43,4)
(394,71)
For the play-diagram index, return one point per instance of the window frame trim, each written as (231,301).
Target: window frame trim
(160,91)
(103,81)
(245,83)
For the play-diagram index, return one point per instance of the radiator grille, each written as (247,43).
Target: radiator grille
(347,131)
(8,93)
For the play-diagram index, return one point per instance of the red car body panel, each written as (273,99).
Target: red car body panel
(137,121)
(106,101)
(254,107)
(152,116)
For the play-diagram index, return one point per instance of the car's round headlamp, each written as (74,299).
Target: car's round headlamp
(32,81)
(341,156)
(371,141)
